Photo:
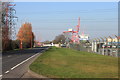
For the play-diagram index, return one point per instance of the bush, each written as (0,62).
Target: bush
(15,44)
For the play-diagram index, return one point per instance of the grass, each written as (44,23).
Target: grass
(68,63)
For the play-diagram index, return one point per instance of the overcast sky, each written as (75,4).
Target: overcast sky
(50,19)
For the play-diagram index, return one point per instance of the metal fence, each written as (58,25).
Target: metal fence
(109,46)
(80,47)
(98,49)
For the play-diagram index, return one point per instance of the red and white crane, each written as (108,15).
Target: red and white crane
(75,36)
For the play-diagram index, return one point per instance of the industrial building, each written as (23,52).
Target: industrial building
(84,37)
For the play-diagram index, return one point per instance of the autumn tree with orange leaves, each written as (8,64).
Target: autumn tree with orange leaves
(25,35)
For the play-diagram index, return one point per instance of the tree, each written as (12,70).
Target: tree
(26,35)
(59,39)
(47,42)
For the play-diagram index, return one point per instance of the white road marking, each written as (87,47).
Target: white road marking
(9,56)
(21,63)
(0,75)
(7,72)
(24,61)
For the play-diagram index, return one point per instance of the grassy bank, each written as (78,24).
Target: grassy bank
(68,63)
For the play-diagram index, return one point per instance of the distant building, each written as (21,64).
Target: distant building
(70,29)
(84,37)
(113,40)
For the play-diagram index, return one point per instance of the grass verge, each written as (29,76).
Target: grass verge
(68,63)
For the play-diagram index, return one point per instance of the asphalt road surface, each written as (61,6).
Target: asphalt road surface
(15,63)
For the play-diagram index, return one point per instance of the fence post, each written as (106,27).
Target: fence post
(103,53)
(111,45)
(92,45)
(95,45)
(99,45)
(117,52)
(107,46)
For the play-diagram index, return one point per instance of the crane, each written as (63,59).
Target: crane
(75,36)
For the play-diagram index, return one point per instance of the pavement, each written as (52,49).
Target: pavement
(15,64)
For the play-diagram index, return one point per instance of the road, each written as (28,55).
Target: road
(15,63)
